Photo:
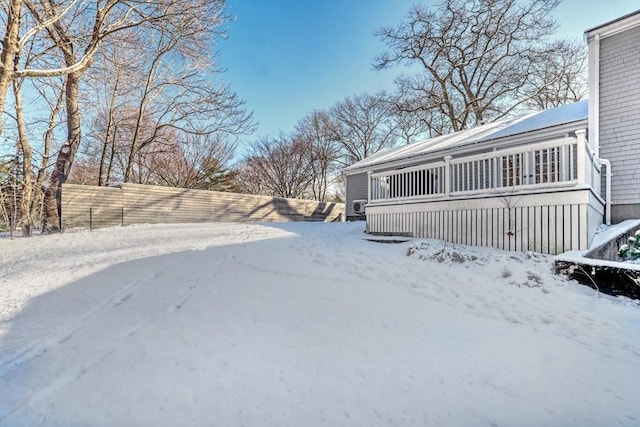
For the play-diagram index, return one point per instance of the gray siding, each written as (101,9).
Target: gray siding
(620,115)
(357,188)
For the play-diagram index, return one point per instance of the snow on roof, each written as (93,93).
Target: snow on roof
(576,111)
(545,119)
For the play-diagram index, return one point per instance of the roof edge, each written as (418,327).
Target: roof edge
(515,138)
(615,26)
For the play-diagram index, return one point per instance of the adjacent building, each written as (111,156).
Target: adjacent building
(544,182)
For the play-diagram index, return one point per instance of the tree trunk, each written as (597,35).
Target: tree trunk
(9,50)
(65,155)
(107,136)
(27,157)
(47,147)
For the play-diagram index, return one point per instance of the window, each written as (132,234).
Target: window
(512,172)
(547,165)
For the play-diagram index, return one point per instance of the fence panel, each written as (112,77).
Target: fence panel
(92,206)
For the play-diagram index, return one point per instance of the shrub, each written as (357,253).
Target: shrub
(631,249)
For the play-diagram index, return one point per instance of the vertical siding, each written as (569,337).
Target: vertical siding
(620,113)
(537,223)
(356,188)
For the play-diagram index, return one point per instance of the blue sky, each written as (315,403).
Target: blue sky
(289,57)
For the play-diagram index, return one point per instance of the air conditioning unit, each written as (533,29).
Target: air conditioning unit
(358,206)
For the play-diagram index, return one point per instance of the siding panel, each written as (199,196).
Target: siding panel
(356,189)
(542,223)
(620,112)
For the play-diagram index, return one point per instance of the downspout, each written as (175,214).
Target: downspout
(596,98)
(594,119)
(607,164)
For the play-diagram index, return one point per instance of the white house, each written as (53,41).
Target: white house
(536,183)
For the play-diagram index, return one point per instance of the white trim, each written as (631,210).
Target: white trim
(615,27)
(559,142)
(578,195)
(594,93)
(409,169)
(551,190)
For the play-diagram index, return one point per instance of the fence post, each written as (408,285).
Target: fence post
(581,157)
(10,226)
(90,219)
(447,176)
(122,217)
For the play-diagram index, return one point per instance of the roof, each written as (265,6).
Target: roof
(615,22)
(565,114)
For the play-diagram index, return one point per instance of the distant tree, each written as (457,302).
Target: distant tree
(198,163)
(84,172)
(315,133)
(277,166)
(480,59)
(248,176)
(362,125)
(214,176)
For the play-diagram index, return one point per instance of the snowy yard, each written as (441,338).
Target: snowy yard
(303,324)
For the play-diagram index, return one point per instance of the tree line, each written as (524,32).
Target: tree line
(129,91)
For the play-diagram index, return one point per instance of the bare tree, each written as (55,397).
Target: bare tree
(278,166)
(164,98)
(410,122)
(113,76)
(362,125)
(24,149)
(31,176)
(75,31)
(315,133)
(198,163)
(480,57)
(84,172)
(248,176)
(560,76)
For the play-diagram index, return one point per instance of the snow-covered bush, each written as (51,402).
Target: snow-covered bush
(631,249)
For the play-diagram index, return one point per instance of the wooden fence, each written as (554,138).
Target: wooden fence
(91,206)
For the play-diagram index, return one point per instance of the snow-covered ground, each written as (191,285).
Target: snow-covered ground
(303,324)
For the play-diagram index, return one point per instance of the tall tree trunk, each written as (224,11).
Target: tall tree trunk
(107,179)
(47,147)
(9,49)
(109,131)
(66,154)
(27,157)
(103,155)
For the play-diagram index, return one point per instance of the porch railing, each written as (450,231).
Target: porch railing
(555,163)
